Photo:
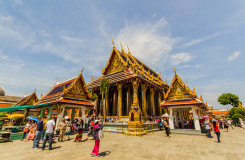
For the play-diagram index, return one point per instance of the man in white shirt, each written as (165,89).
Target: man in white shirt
(50,125)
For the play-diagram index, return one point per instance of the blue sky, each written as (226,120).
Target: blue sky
(42,40)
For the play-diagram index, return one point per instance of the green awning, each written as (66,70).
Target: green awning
(14,108)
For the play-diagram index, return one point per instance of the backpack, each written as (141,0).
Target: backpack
(161,124)
(101,134)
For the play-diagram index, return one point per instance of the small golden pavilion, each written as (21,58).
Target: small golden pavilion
(69,98)
(182,104)
(131,83)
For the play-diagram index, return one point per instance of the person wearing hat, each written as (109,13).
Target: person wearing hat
(97,127)
(62,128)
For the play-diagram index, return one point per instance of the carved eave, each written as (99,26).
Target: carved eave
(185,87)
(77,84)
(32,99)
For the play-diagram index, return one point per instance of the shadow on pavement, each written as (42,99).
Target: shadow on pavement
(106,153)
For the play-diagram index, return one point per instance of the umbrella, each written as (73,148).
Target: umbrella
(165,115)
(33,118)
(204,117)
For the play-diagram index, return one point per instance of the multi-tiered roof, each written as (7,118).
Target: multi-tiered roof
(123,66)
(73,91)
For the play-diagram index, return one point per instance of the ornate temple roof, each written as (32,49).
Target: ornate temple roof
(73,91)
(124,66)
(28,100)
(179,94)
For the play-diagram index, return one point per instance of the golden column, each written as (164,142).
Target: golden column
(107,105)
(135,93)
(152,100)
(159,99)
(119,89)
(144,88)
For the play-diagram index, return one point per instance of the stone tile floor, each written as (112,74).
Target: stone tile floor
(122,147)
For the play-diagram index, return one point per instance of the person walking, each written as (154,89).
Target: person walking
(86,123)
(97,127)
(38,134)
(166,127)
(68,129)
(208,127)
(26,130)
(62,128)
(50,125)
(217,131)
(229,124)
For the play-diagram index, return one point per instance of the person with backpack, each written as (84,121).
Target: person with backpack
(160,124)
(97,136)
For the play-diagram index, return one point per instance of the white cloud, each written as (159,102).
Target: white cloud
(199,40)
(19,2)
(233,56)
(6,18)
(149,42)
(179,58)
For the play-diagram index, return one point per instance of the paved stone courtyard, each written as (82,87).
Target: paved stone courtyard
(122,147)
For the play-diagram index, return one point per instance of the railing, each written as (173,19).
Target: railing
(120,127)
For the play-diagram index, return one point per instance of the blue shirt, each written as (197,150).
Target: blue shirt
(40,126)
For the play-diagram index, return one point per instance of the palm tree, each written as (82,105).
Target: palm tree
(104,89)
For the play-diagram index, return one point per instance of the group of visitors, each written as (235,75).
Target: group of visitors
(44,130)
(29,130)
(225,124)
(212,126)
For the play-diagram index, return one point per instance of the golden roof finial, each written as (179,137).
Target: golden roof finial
(113,43)
(157,70)
(174,70)
(35,90)
(82,70)
(102,70)
(121,45)
(128,50)
(41,95)
(201,98)
(92,78)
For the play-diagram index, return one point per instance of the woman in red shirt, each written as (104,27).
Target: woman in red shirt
(217,131)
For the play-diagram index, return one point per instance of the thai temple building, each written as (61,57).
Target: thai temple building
(131,83)
(69,98)
(7,101)
(182,104)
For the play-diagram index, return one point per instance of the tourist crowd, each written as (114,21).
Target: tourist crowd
(45,130)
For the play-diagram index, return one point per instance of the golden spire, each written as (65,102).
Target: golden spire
(121,46)
(102,70)
(82,70)
(41,95)
(92,78)
(201,98)
(128,50)
(35,90)
(113,43)
(174,70)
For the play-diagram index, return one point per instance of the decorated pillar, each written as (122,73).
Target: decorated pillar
(135,93)
(49,112)
(176,118)
(159,103)
(72,115)
(60,115)
(114,103)
(171,123)
(41,114)
(195,118)
(119,112)
(107,105)
(83,113)
(152,100)
(128,99)
(144,88)
(27,111)
(181,118)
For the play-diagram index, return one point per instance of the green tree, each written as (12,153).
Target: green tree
(236,117)
(236,110)
(93,95)
(104,90)
(229,98)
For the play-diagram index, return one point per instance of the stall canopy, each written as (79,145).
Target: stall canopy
(8,109)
